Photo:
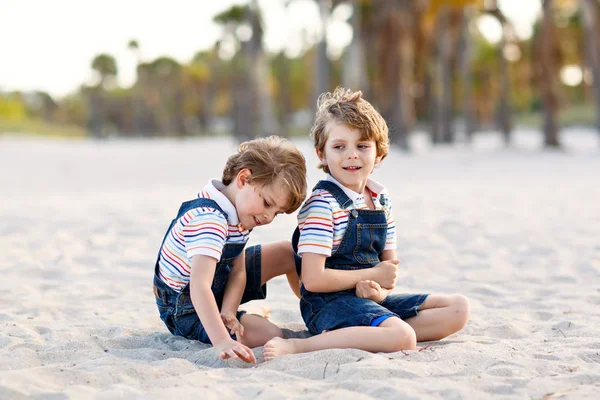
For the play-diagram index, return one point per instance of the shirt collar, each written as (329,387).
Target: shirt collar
(371,184)
(214,188)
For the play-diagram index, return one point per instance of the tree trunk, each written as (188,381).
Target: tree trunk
(321,74)
(421,84)
(355,68)
(547,74)
(285,93)
(96,118)
(389,65)
(242,99)
(504,109)
(261,70)
(467,76)
(590,10)
(442,124)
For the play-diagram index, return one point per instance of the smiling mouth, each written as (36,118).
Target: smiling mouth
(256,221)
(352,168)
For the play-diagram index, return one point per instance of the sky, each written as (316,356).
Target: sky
(49,44)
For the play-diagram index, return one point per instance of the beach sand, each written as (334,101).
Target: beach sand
(516,230)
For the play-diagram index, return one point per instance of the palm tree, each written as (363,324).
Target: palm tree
(508,36)
(322,69)
(134,46)
(355,68)
(106,67)
(166,79)
(243,104)
(466,53)
(590,9)
(442,130)
(547,59)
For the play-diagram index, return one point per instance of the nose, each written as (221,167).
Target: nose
(267,218)
(353,154)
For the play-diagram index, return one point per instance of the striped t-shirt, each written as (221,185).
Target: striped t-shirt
(322,222)
(202,230)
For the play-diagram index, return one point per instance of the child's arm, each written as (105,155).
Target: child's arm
(317,278)
(202,274)
(372,290)
(236,283)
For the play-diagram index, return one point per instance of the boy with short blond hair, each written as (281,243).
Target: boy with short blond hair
(201,272)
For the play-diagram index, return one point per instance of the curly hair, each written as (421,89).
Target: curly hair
(271,160)
(349,108)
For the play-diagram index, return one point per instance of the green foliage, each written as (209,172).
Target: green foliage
(165,67)
(235,14)
(40,127)
(105,65)
(12,108)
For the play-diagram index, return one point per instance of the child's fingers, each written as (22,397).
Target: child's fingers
(238,334)
(229,353)
(245,353)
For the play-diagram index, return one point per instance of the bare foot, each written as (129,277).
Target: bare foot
(278,347)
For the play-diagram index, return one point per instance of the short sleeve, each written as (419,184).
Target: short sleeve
(315,221)
(204,232)
(391,238)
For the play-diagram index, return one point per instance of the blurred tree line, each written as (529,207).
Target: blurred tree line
(422,63)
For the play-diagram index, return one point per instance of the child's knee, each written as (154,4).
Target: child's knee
(407,338)
(461,310)
(284,248)
(402,335)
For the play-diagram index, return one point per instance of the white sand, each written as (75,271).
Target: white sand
(515,230)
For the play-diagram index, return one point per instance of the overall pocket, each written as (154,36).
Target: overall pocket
(183,304)
(165,307)
(370,242)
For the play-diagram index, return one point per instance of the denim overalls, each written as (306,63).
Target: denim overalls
(361,247)
(176,309)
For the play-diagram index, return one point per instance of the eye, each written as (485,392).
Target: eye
(364,146)
(338,146)
(267,204)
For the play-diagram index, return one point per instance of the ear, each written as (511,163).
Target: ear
(377,161)
(321,155)
(243,177)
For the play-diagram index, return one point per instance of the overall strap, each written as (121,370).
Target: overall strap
(337,193)
(200,202)
(185,207)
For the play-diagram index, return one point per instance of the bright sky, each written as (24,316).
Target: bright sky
(49,45)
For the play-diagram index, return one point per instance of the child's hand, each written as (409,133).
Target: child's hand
(370,290)
(232,323)
(386,273)
(229,348)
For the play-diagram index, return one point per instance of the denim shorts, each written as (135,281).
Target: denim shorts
(329,311)
(177,311)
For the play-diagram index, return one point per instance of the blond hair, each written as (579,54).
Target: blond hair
(272,159)
(349,108)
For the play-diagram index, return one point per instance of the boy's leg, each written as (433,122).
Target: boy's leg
(440,316)
(390,336)
(258,330)
(276,259)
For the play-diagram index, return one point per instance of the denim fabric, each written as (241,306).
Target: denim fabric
(360,247)
(176,309)
(254,290)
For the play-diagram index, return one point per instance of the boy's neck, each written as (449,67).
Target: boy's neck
(229,191)
(361,190)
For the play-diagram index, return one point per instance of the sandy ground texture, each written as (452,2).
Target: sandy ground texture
(516,230)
